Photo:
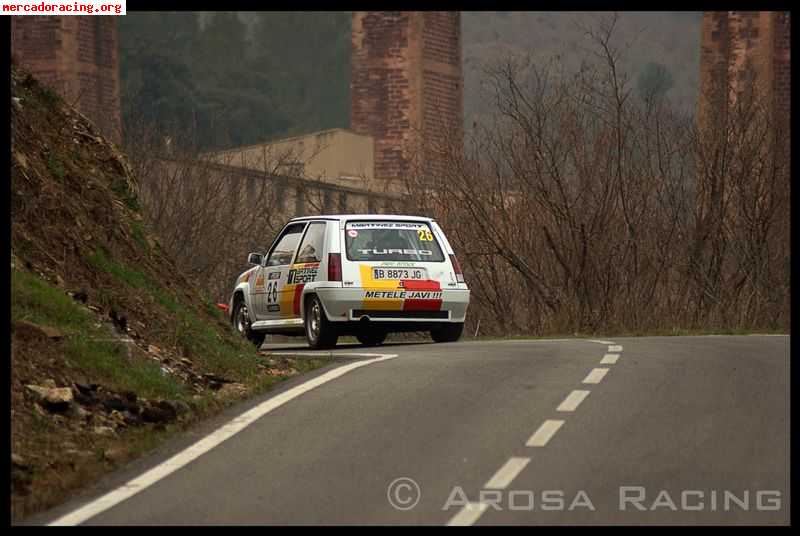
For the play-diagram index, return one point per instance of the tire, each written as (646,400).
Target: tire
(320,334)
(448,332)
(373,337)
(241,323)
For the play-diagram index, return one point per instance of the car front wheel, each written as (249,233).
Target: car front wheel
(319,331)
(448,332)
(241,323)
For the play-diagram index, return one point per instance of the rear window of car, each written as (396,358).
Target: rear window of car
(391,241)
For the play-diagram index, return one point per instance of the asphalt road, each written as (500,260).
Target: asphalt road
(689,429)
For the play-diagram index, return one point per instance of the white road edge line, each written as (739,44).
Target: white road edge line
(533,340)
(324,354)
(503,477)
(204,445)
(596,375)
(601,342)
(546,431)
(615,348)
(468,515)
(573,400)
(609,359)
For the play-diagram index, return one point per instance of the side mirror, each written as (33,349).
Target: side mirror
(255,259)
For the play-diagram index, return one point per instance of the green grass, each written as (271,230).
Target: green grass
(87,347)
(223,355)
(35,300)
(108,362)
(129,276)
(137,231)
(55,166)
(121,189)
(165,300)
(227,356)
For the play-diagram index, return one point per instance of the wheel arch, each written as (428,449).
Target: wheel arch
(307,293)
(240,292)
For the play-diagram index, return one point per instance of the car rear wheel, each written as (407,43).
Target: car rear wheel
(371,338)
(241,323)
(319,332)
(448,332)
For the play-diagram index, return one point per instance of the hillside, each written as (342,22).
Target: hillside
(112,348)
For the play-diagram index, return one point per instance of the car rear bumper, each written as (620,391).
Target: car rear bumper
(354,304)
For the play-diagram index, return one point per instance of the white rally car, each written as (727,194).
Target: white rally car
(362,275)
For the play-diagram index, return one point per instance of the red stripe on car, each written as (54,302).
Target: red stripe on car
(418,284)
(298,293)
(421,305)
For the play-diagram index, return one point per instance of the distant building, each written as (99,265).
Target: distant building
(337,156)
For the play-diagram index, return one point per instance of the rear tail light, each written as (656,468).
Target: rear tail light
(334,266)
(457,268)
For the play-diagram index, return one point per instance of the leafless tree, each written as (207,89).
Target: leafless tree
(580,207)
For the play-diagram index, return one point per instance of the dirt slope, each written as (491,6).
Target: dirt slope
(112,347)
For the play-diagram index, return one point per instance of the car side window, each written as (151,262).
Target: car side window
(313,242)
(284,250)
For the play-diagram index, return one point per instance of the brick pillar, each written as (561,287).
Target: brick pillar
(782,67)
(406,87)
(76,56)
(736,45)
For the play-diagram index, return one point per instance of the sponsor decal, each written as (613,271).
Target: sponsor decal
(273,308)
(403,294)
(403,264)
(302,275)
(387,225)
(274,275)
(425,252)
(260,281)
(352,233)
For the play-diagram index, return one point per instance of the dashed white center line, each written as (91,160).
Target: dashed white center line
(596,375)
(573,400)
(503,477)
(468,514)
(544,433)
(471,512)
(609,359)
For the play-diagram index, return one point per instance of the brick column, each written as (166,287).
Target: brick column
(406,87)
(78,58)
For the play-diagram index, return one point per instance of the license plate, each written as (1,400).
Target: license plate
(399,273)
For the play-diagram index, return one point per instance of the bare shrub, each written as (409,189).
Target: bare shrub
(582,207)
